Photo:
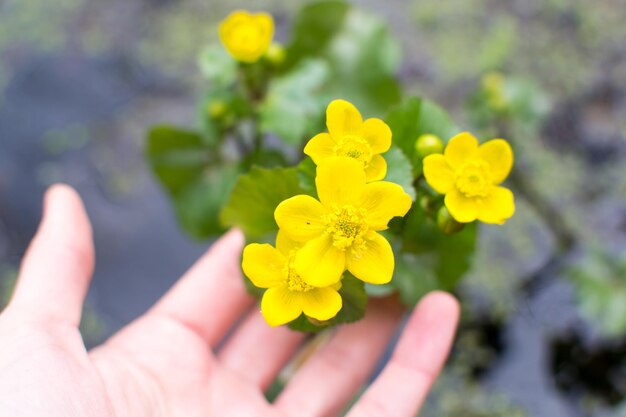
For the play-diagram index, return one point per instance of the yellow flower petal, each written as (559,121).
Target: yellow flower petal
(342,118)
(374,262)
(285,244)
(247,36)
(459,148)
(340,180)
(377,134)
(383,201)
(321,303)
(376,169)
(300,217)
(280,306)
(438,173)
(263,265)
(462,208)
(265,26)
(499,155)
(497,207)
(319,263)
(320,147)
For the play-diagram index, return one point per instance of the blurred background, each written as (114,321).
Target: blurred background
(544,324)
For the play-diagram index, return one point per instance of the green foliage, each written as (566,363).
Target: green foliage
(292,109)
(255,118)
(314,28)
(600,282)
(414,276)
(399,170)
(217,66)
(176,156)
(354,300)
(306,173)
(413,118)
(185,166)
(500,98)
(199,205)
(361,53)
(255,197)
(449,257)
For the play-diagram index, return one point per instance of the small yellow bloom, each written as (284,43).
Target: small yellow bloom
(339,231)
(348,135)
(247,36)
(287,295)
(469,175)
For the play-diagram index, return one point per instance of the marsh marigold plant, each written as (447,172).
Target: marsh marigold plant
(348,135)
(470,175)
(247,36)
(328,233)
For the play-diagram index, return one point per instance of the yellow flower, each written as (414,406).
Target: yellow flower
(287,295)
(348,135)
(469,175)
(340,230)
(247,36)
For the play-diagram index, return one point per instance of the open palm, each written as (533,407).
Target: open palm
(166,363)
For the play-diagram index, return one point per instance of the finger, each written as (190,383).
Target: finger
(211,295)
(329,380)
(402,386)
(58,264)
(257,351)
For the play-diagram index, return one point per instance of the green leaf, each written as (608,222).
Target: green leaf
(359,49)
(314,27)
(265,158)
(217,66)
(379,290)
(255,196)
(414,276)
(451,254)
(219,110)
(292,109)
(415,117)
(399,170)
(365,58)
(176,156)
(306,172)
(599,279)
(183,163)
(198,206)
(354,300)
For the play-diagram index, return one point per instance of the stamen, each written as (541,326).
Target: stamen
(346,225)
(354,147)
(294,281)
(473,178)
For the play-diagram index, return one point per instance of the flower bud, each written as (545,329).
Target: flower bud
(493,84)
(446,222)
(247,36)
(428,144)
(426,203)
(216,109)
(275,54)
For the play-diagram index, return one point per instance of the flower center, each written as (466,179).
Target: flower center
(346,225)
(473,178)
(354,147)
(295,282)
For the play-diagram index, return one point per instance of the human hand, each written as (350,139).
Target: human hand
(166,364)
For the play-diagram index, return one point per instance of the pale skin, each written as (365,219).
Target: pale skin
(165,363)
